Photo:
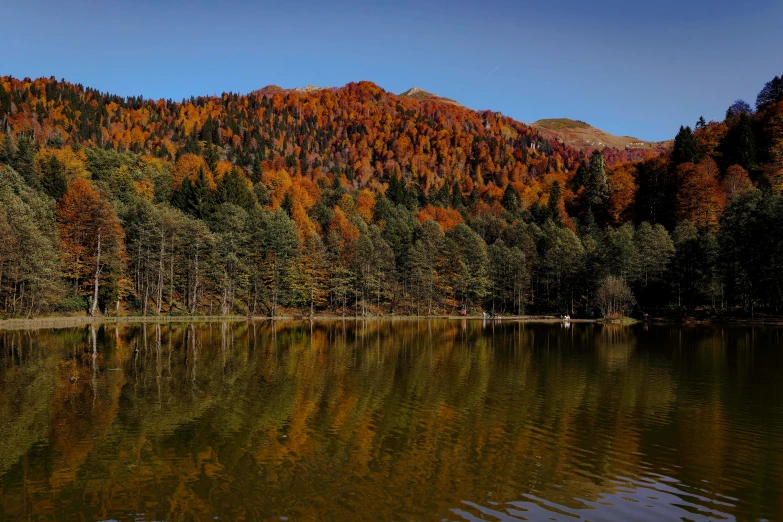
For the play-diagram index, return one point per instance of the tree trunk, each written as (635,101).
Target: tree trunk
(159,305)
(312,297)
(97,278)
(194,296)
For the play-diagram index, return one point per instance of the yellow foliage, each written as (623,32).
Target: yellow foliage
(365,203)
(305,191)
(145,188)
(188,166)
(347,205)
(223,168)
(304,225)
(277,182)
(72,163)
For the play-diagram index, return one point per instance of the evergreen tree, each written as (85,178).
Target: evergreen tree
(596,191)
(771,93)
(211,157)
(52,176)
(397,193)
(750,255)
(258,173)
(580,177)
(561,256)
(469,268)
(399,229)
(23,161)
(655,249)
(442,196)
(228,222)
(473,197)
(262,194)
(553,204)
(427,267)
(232,188)
(656,195)
(337,191)
(510,199)
(30,270)
(685,149)
(739,145)
(622,253)
(457,199)
(287,204)
(694,265)
(198,196)
(8,151)
(279,244)
(191,145)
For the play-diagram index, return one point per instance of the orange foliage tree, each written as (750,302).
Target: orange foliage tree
(447,218)
(365,203)
(700,198)
(91,239)
(622,191)
(189,166)
(345,230)
(736,181)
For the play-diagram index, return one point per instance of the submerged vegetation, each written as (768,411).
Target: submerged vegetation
(357,201)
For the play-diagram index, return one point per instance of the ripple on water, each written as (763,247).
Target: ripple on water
(421,420)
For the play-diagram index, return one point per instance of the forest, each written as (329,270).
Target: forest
(356,201)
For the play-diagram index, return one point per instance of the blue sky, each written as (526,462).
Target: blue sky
(636,68)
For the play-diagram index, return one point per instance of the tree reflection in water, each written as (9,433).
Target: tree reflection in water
(381,420)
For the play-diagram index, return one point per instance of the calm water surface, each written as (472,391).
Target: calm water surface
(402,420)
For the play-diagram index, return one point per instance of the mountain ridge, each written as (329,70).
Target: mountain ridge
(583,136)
(239,125)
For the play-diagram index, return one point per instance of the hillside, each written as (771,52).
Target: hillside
(358,131)
(580,135)
(354,200)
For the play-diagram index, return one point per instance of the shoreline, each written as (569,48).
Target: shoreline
(37,323)
(56,322)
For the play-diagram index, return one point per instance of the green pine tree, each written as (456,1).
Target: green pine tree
(685,149)
(510,199)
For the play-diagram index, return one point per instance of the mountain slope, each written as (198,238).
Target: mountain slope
(358,131)
(585,137)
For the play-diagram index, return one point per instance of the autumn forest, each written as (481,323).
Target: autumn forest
(357,201)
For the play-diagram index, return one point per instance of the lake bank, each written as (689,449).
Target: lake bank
(36,323)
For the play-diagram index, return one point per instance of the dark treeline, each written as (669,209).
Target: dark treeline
(88,227)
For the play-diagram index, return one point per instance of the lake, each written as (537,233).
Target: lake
(391,420)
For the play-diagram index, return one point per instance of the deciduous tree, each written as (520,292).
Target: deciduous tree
(91,241)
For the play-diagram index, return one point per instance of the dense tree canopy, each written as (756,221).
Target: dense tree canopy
(357,201)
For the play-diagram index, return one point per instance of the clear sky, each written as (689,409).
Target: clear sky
(629,67)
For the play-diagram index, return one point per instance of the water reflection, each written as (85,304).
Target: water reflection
(369,420)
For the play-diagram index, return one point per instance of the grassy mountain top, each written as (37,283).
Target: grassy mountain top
(562,124)
(583,136)
(417,93)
